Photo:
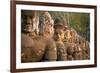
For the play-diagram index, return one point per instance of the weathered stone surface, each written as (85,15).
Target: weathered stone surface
(61,51)
(42,40)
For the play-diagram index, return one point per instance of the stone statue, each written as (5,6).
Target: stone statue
(58,37)
(35,48)
(47,32)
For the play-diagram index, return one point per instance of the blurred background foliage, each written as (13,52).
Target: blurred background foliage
(79,21)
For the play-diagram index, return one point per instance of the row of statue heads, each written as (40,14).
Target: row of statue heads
(69,45)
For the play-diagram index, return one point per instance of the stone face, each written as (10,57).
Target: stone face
(46,24)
